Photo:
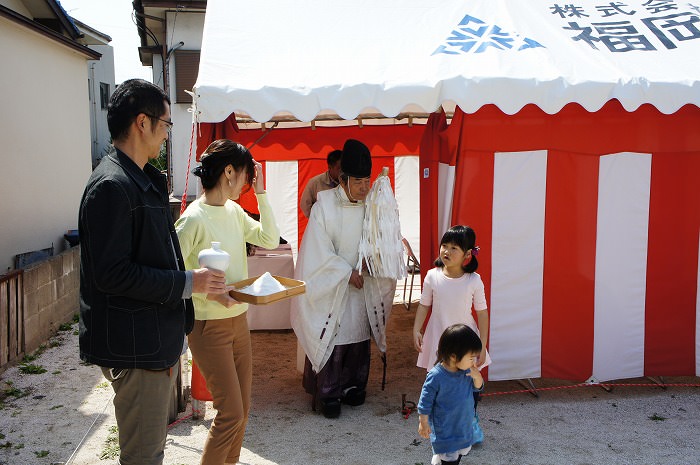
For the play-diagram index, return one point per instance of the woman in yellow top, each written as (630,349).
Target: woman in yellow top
(220,340)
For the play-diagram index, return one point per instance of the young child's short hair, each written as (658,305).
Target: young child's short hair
(458,340)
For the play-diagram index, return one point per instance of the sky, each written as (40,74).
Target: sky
(113,17)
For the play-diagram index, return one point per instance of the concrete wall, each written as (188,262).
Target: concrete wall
(35,302)
(45,134)
(51,296)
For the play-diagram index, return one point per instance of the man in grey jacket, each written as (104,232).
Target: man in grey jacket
(135,306)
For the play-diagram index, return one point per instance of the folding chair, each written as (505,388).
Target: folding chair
(412,267)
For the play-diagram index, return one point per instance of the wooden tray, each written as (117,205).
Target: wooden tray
(293,286)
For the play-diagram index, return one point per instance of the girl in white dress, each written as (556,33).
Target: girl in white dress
(452,288)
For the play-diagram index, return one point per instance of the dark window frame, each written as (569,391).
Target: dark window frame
(104,95)
(186,69)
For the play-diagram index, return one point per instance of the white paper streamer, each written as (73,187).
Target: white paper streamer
(381,246)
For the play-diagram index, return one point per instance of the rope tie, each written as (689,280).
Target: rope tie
(195,127)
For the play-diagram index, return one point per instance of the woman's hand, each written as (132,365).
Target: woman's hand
(258,181)
(224,299)
(356,279)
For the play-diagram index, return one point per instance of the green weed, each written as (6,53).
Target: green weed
(31,357)
(31,369)
(14,392)
(111,449)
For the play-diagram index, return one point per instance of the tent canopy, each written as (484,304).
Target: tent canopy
(304,57)
(576,161)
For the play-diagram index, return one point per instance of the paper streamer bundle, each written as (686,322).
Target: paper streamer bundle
(381,245)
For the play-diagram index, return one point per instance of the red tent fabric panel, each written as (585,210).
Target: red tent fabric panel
(609,130)
(569,266)
(307,170)
(247,199)
(574,141)
(378,163)
(674,222)
(473,202)
(209,132)
(433,146)
(303,143)
(310,147)
(306,143)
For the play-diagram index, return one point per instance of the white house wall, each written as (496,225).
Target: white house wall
(100,71)
(45,134)
(185,27)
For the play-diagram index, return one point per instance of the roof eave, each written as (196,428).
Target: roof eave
(45,31)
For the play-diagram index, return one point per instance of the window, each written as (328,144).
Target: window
(104,95)
(186,68)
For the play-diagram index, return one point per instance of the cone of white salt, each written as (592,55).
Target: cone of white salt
(266,284)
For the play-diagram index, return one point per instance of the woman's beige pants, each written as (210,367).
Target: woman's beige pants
(222,351)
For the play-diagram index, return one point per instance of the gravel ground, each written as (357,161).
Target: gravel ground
(65,416)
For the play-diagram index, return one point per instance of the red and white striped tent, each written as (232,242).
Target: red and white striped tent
(573,151)
(590,226)
(292,156)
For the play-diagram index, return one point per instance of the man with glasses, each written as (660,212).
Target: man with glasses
(135,306)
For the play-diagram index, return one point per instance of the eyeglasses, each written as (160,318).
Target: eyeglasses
(169,124)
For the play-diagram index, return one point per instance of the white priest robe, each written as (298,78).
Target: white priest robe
(332,311)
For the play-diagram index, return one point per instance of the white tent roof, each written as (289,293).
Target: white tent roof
(265,58)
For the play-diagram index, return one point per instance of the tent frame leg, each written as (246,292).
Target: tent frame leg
(608,387)
(530,386)
(658,380)
(412,267)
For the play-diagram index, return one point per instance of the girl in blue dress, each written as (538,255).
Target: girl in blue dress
(446,406)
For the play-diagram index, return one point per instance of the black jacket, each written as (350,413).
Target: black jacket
(132,314)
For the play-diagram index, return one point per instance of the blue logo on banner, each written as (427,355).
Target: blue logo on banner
(475,36)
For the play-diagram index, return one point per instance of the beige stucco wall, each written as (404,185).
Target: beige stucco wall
(44,141)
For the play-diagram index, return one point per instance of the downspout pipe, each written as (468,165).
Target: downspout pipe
(166,89)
